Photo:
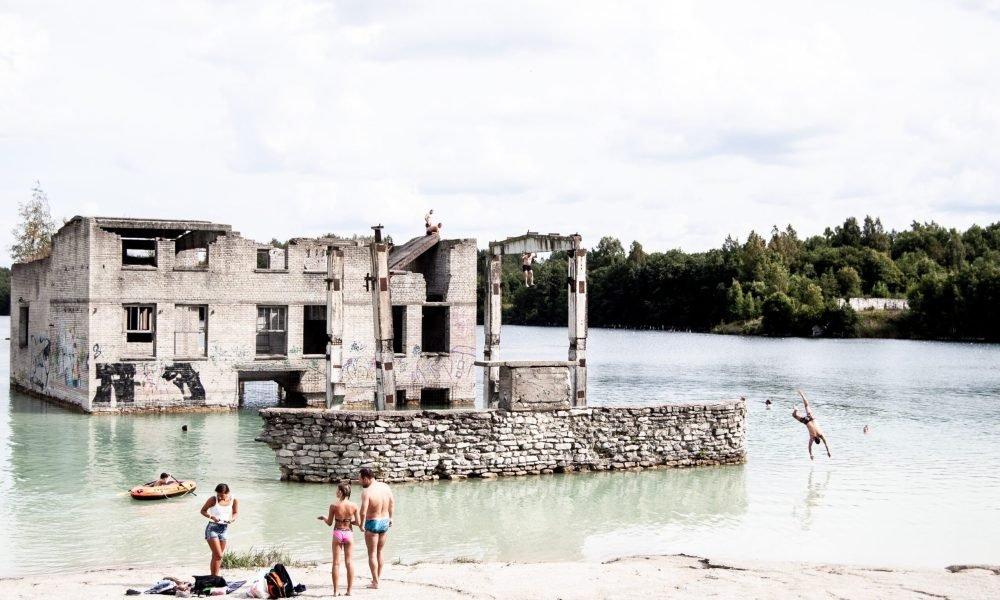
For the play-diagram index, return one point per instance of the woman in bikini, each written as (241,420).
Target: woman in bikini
(344,515)
(815,433)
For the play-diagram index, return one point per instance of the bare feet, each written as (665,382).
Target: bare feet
(372,586)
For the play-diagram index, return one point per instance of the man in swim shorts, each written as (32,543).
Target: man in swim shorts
(809,420)
(377,506)
(528,268)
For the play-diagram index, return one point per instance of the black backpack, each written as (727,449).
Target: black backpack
(279,582)
(202,583)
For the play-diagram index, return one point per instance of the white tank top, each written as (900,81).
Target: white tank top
(221,512)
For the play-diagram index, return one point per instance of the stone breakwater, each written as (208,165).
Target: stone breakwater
(330,445)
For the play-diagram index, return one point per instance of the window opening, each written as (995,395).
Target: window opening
(271,258)
(139,324)
(398,325)
(139,251)
(22,327)
(271,330)
(191,330)
(400,398)
(431,398)
(314,329)
(434,336)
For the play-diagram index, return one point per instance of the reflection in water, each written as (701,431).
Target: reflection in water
(551,518)
(812,500)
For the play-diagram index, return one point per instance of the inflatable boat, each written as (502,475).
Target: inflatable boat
(159,492)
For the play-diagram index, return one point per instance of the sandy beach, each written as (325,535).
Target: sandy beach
(633,577)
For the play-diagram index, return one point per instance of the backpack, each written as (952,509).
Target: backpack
(203,583)
(279,582)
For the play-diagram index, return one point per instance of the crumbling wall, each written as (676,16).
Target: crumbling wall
(327,446)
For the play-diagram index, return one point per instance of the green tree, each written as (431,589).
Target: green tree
(33,235)
(4,291)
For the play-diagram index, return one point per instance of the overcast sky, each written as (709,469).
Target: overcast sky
(671,123)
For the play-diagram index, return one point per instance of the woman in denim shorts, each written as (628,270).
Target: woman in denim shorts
(221,510)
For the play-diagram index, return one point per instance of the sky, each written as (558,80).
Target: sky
(673,123)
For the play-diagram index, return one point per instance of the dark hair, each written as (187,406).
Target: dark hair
(222,489)
(366,473)
(164,475)
(345,490)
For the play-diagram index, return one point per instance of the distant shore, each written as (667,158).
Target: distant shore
(633,577)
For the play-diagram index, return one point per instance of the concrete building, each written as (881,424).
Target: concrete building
(137,314)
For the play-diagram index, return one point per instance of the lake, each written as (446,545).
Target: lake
(922,488)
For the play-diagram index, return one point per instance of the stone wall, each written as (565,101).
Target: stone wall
(327,446)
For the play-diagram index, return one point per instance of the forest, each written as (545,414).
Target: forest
(783,285)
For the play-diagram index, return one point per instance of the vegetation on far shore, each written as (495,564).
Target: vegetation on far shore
(783,286)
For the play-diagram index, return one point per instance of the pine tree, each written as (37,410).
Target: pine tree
(33,236)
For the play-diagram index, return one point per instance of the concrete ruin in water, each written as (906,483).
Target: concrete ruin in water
(152,314)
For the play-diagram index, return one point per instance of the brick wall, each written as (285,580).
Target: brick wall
(78,350)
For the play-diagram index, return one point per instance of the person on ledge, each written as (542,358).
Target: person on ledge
(428,226)
(377,506)
(528,268)
(809,420)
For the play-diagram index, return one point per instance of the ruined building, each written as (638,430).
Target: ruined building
(142,314)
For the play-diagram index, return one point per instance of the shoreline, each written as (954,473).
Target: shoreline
(673,576)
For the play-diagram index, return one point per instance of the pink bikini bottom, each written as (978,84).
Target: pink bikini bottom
(342,536)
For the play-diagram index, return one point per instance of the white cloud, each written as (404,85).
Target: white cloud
(674,123)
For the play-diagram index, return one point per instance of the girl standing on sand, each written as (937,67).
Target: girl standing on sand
(346,515)
(221,510)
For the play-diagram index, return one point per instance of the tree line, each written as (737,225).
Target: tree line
(783,285)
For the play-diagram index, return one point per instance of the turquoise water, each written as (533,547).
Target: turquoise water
(921,489)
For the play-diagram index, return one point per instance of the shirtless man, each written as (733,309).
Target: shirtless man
(528,269)
(377,505)
(430,227)
(815,433)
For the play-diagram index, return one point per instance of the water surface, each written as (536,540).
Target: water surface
(921,489)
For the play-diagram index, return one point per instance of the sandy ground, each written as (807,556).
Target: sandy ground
(634,577)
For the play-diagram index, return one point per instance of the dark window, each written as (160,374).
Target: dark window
(190,330)
(398,326)
(435,329)
(314,329)
(139,251)
(263,258)
(140,323)
(22,327)
(435,397)
(272,334)
(400,397)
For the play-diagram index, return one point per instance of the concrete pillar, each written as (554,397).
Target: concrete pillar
(335,388)
(578,322)
(491,330)
(385,376)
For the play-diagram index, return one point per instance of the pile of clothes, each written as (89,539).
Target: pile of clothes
(203,585)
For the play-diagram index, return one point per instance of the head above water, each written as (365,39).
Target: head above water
(344,490)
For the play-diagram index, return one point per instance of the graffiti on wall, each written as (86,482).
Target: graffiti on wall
(456,365)
(40,358)
(117,378)
(183,375)
(70,360)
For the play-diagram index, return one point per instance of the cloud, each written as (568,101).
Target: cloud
(671,123)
